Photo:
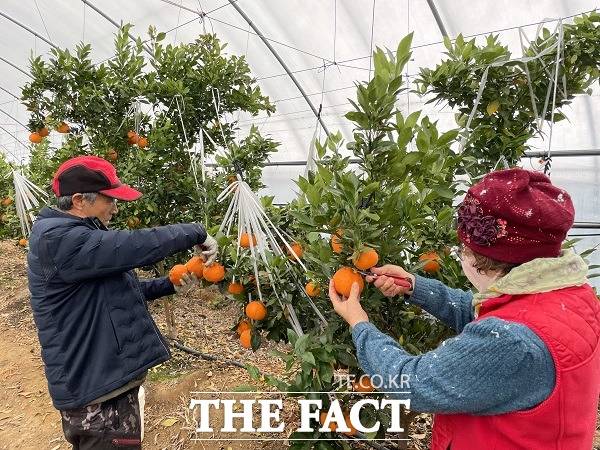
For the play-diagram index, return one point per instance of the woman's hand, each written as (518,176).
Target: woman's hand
(386,284)
(348,308)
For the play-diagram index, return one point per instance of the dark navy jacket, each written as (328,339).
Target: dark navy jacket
(89,306)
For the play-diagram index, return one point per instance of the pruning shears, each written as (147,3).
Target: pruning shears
(404,282)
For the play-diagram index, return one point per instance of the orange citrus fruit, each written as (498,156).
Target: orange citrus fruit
(245,240)
(363,384)
(312,289)
(246,338)
(243,326)
(214,273)
(23,242)
(7,201)
(432,264)
(332,425)
(43,132)
(176,273)
(196,266)
(142,142)
(132,137)
(112,155)
(343,280)
(235,288)
(256,310)
(296,250)
(35,138)
(63,128)
(366,259)
(336,241)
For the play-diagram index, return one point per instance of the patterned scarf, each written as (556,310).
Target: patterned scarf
(538,275)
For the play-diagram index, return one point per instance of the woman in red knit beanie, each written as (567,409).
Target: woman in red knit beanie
(524,371)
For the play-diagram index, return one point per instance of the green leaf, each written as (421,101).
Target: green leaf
(245,388)
(422,141)
(253,372)
(411,120)
(443,191)
(447,137)
(292,336)
(309,358)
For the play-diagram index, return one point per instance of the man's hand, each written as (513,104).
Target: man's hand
(188,281)
(386,284)
(348,308)
(208,250)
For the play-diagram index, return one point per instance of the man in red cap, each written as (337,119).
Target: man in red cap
(98,339)
(524,371)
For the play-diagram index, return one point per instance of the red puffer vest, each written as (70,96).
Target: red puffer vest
(568,321)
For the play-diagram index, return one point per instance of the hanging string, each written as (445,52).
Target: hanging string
(548,158)
(483,82)
(334,27)
(43,21)
(371,45)
(28,197)
(178,21)
(408,62)
(311,160)
(83,28)
(252,219)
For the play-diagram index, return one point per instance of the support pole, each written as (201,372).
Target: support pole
(13,65)
(14,118)
(25,27)
(437,17)
(107,17)
(281,61)
(9,93)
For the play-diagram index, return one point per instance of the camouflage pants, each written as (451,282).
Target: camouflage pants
(112,424)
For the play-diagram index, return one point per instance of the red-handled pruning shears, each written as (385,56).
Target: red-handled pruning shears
(404,282)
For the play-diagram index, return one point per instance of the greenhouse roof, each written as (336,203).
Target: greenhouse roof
(326,45)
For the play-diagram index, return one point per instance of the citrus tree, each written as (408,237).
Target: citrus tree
(515,94)
(148,115)
(396,206)
(9,222)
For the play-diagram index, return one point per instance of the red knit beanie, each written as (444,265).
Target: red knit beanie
(515,216)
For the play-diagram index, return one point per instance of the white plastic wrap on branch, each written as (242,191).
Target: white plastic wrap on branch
(246,211)
(312,159)
(552,86)
(28,197)
(193,162)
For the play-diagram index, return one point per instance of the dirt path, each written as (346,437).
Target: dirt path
(27,417)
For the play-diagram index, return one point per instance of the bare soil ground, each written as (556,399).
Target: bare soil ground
(29,421)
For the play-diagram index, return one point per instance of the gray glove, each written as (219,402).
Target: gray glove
(188,281)
(208,250)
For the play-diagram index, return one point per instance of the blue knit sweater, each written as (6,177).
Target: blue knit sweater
(493,366)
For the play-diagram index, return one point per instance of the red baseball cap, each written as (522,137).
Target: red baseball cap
(91,174)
